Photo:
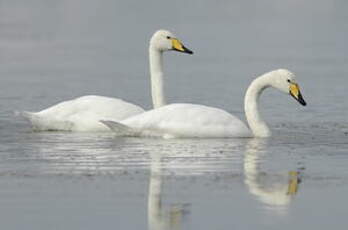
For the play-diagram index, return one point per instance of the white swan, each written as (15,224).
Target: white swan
(190,120)
(84,113)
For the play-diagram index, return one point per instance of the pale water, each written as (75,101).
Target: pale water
(57,50)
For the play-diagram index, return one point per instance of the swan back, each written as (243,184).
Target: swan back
(188,120)
(82,114)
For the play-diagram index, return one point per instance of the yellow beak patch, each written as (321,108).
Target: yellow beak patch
(293,183)
(177,45)
(294,90)
(295,93)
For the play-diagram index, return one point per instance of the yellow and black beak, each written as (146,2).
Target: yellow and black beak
(178,46)
(295,93)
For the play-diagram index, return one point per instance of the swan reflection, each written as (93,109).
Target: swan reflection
(75,154)
(276,191)
(159,217)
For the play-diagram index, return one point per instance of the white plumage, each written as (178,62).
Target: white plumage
(187,120)
(190,120)
(84,113)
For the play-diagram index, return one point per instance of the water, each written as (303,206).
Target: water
(56,50)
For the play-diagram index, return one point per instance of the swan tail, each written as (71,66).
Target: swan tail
(120,129)
(40,123)
(33,119)
(27,115)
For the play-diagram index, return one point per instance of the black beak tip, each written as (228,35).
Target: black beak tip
(188,51)
(301,100)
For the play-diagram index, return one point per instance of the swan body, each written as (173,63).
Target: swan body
(185,121)
(84,113)
(190,120)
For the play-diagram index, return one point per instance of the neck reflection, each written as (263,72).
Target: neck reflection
(159,216)
(275,191)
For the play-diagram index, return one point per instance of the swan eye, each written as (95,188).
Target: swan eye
(168,37)
(288,80)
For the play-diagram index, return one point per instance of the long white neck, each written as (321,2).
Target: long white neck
(256,123)
(157,87)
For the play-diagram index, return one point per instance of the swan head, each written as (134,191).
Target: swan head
(164,40)
(285,81)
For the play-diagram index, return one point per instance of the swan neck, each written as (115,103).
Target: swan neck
(257,125)
(156,72)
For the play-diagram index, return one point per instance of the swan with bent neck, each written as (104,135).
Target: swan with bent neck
(84,113)
(282,80)
(192,120)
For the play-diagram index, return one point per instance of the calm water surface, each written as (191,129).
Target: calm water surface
(56,50)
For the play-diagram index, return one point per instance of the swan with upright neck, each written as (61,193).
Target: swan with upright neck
(84,113)
(192,120)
